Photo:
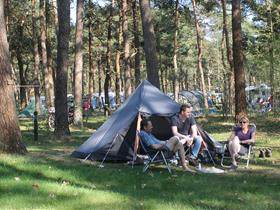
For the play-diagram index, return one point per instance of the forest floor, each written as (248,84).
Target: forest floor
(48,178)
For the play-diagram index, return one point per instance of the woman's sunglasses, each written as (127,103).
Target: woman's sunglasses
(242,122)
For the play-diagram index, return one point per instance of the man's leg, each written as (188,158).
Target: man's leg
(178,146)
(196,147)
(234,148)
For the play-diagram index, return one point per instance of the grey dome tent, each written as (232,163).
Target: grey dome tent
(115,139)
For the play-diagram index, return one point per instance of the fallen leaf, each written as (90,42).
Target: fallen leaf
(35,185)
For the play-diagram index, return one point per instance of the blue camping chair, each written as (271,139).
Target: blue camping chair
(157,156)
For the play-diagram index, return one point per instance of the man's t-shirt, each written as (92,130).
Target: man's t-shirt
(183,127)
(243,136)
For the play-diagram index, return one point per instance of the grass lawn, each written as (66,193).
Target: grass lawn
(48,178)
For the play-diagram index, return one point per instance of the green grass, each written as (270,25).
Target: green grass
(48,178)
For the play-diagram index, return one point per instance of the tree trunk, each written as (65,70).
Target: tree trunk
(54,4)
(108,58)
(91,67)
(230,88)
(7,14)
(23,94)
(271,59)
(209,77)
(127,73)
(10,135)
(117,61)
(44,53)
(149,43)
(51,71)
(225,78)
(136,43)
(78,86)
(199,55)
(99,66)
(161,70)
(61,109)
(36,58)
(175,47)
(238,59)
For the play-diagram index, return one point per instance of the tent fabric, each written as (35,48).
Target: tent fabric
(117,134)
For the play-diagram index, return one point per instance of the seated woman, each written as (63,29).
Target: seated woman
(240,136)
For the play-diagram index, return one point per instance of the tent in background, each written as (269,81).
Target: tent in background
(29,110)
(195,98)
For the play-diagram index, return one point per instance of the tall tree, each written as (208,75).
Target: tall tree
(78,71)
(20,62)
(175,49)
(7,14)
(136,43)
(47,74)
(238,59)
(61,109)
(55,9)
(229,83)
(117,60)
(36,57)
(10,135)
(108,56)
(50,66)
(271,54)
(90,56)
(199,54)
(126,59)
(149,43)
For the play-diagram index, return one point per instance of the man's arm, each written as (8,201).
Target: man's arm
(187,139)
(194,131)
(176,133)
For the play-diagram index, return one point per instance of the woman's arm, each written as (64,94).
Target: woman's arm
(232,135)
(252,140)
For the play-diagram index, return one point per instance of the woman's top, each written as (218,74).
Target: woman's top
(244,136)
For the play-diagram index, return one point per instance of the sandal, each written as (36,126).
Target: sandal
(237,157)
(233,167)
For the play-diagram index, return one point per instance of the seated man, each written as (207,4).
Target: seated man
(184,126)
(172,144)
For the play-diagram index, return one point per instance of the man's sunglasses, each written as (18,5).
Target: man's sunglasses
(242,122)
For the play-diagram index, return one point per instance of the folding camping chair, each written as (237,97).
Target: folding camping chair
(246,156)
(157,156)
(203,148)
(201,154)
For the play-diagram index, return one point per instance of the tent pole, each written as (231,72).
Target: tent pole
(101,164)
(87,156)
(136,142)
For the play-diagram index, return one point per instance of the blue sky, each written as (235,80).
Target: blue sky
(73,8)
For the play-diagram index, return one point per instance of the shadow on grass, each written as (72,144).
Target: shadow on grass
(198,191)
(50,163)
